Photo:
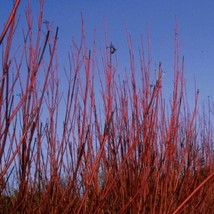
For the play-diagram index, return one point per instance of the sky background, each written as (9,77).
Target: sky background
(196,28)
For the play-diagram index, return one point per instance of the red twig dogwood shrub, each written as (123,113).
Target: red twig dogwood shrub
(102,143)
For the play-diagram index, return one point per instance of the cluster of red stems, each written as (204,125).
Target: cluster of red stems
(103,144)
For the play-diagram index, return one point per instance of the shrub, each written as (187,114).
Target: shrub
(124,151)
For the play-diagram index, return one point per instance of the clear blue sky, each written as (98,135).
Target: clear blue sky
(196,27)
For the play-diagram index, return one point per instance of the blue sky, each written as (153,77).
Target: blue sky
(196,27)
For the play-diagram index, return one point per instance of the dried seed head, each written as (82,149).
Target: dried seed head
(112,49)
